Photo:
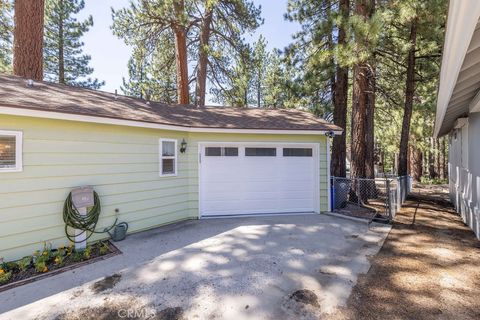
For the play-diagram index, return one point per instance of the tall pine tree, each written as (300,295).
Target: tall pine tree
(207,34)
(64,60)
(151,76)
(28,39)
(6,27)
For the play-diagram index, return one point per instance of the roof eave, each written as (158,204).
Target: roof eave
(28,112)
(461,22)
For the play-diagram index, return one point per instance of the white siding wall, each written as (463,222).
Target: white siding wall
(464,172)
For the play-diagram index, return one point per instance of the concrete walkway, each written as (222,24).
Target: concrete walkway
(428,268)
(276,267)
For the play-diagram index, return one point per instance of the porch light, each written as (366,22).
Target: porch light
(183,146)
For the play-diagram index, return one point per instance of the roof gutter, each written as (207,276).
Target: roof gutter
(24,112)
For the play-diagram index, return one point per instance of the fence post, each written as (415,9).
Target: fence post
(399,193)
(389,199)
(358,192)
(333,192)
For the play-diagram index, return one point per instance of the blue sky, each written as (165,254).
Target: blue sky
(110,55)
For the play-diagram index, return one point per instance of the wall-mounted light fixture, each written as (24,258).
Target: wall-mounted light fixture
(330,134)
(183,146)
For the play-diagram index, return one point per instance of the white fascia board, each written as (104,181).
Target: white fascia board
(461,21)
(141,124)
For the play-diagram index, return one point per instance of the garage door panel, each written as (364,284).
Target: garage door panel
(239,207)
(233,185)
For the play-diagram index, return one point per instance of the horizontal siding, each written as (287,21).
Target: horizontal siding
(121,163)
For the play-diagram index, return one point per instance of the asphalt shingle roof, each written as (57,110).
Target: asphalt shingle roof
(44,96)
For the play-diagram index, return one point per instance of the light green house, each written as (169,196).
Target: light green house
(232,161)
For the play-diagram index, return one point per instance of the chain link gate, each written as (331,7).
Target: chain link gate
(374,199)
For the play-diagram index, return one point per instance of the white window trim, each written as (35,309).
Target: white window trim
(162,157)
(18,150)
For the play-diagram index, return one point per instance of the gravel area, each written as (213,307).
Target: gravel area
(428,267)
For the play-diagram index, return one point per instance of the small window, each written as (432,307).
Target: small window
(168,157)
(297,152)
(260,152)
(10,151)
(230,152)
(219,152)
(213,151)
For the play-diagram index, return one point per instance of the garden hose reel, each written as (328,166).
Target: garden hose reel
(81,212)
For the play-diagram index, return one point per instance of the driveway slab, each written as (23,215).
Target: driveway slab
(288,266)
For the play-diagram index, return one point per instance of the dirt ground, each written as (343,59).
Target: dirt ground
(428,267)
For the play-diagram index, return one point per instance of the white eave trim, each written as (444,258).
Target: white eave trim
(140,124)
(461,22)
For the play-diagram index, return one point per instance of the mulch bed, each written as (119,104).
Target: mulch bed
(20,278)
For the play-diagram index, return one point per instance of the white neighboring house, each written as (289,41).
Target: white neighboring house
(458,107)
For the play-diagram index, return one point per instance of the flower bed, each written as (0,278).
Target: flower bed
(50,261)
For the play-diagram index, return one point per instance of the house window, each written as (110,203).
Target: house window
(261,152)
(297,152)
(221,151)
(168,157)
(10,151)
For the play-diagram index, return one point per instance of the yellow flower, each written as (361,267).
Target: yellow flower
(2,271)
(45,269)
(45,253)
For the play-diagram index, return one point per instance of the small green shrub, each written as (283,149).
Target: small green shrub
(87,253)
(41,258)
(41,263)
(104,248)
(5,276)
(24,263)
(10,266)
(77,256)
(59,257)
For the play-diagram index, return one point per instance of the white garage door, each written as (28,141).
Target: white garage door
(239,179)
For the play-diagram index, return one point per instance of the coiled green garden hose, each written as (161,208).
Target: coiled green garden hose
(87,223)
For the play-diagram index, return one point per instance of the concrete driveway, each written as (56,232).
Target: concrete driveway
(275,267)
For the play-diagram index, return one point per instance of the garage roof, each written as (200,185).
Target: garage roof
(17,97)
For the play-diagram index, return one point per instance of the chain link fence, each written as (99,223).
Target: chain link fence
(374,199)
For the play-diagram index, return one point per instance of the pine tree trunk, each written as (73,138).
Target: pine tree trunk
(339,147)
(437,158)
(259,88)
(370,112)
(181,53)
(28,39)
(416,162)
(61,56)
(441,165)
(431,160)
(409,93)
(201,86)
(370,126)
(359,105)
